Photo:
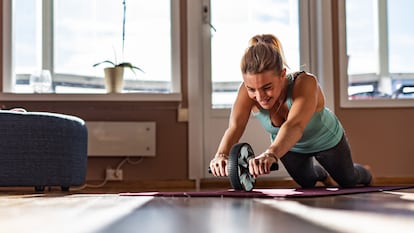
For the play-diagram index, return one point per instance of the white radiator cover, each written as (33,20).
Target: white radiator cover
(109,138)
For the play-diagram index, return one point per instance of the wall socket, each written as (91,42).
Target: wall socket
(182,115)
(114,174)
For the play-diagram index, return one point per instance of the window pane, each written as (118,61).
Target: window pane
(27,35)
(401,36)
(236,21)
(84,33)
(147,41)
(379,45)
(362,39)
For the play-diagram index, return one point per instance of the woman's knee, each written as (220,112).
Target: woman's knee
(347,182)
(361,176)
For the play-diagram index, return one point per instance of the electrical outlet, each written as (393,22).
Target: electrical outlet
(182,115)
(114,174)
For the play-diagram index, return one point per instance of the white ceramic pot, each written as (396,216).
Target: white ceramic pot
(114,79)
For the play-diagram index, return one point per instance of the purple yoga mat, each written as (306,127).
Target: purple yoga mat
(272,193)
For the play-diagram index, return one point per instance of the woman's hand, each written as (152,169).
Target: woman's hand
(261,164)
(218,165)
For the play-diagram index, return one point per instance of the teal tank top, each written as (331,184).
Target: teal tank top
(322,132)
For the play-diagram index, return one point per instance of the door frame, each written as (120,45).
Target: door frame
(316,45)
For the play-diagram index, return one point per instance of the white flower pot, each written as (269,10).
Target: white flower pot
(114,79)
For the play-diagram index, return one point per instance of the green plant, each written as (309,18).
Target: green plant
(122,64)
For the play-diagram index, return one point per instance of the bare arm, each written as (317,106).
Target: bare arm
(304,105)
(306,96)
(239,117)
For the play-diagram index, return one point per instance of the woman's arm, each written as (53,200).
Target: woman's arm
(239,117)
(305,102)
(304,105)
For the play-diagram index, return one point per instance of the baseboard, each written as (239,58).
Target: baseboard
(138,186)
(394,180)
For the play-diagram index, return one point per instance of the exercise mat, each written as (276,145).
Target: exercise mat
(272,193)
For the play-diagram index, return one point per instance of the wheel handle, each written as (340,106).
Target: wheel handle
(238,167)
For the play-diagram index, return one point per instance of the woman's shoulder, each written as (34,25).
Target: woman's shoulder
(301,77)
(302,73)
(302,80)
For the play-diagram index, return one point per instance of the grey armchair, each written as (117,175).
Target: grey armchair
(42,149)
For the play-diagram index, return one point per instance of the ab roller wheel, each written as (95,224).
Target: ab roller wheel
(238,167)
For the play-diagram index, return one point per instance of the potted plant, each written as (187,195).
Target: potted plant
(114,74)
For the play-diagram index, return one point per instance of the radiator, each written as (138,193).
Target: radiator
(108,138)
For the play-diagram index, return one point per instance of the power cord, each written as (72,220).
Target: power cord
(118,168)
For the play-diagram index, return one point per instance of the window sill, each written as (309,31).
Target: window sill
(377,103)
(133,97)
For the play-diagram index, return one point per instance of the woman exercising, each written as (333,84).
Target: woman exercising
(291,108)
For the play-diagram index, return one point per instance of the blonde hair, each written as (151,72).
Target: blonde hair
(264,53)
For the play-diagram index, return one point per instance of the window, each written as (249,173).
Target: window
(379,43)
(232,31)
(67,37)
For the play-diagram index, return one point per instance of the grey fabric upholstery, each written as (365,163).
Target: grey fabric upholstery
(42,149)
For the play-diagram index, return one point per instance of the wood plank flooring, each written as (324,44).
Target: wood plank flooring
(57,211)
(359,213)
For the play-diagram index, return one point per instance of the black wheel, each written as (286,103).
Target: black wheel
(238,165)
(65,188)
(39,188)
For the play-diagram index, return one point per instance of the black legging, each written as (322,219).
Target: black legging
(336,161)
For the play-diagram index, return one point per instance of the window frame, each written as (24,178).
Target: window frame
(7,88)
(383,60)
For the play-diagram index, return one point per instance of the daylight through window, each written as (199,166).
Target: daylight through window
(379,44)
(68,37)
(232,32)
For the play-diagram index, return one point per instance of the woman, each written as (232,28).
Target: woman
(291,107)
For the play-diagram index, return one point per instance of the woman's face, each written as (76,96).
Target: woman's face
(265,87)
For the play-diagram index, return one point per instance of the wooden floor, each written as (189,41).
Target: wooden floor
(373,212)
(55,211)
